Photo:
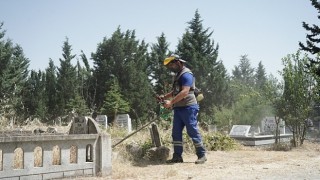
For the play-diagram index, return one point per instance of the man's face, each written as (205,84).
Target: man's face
(174,66)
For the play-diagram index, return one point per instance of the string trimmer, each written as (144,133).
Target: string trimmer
(163,114)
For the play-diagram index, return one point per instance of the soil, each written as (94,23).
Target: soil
(247,163)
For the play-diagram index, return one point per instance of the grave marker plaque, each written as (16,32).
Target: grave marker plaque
(124,121)
(240,130)
(268,126)
(84,125)
(102,120)
(80,126)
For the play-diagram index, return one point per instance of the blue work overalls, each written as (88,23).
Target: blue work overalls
(186,116)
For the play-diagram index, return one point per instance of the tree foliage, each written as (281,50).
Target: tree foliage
(51,90)
(248,96)
(114,102)
(260,76)
(295,105)
(244,73)
(13,75)
(201,53)
(160,76)
(312,41)
(35,98)
(125,58)
(127,72)
(66,79)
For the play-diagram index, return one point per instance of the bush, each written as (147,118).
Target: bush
(138,145)
(218,141)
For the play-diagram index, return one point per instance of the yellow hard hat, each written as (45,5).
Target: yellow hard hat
(171,58)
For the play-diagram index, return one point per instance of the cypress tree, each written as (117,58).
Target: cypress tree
(260,77)
(244,73)
(201,53)
(66,79)
(13,76)
(124,58)
(114,102)
(34,97)
(51,90)
(160,76)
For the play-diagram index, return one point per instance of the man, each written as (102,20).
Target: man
(185,106)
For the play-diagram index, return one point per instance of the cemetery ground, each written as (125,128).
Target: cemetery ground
(245,163)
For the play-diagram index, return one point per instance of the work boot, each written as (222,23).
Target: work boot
(175,159)
(201,160)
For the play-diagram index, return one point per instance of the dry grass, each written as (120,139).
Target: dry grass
(248,163)
(242,163)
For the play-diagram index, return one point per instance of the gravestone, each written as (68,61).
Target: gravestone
(268,126)
(212,128)
(124,121)
(240,131)
(255,130)
(79,126)
(102,120)
(83,125)
(155,136)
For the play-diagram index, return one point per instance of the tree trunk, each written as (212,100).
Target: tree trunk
(294,139)
(277,135)
(303,134)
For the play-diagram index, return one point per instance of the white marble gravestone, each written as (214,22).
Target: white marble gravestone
(102,120)
(268,126)
(124,121)
(240,131)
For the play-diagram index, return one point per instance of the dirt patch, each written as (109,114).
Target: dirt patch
(247,163)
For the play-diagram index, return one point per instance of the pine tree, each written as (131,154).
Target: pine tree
(138,89)
(312,41)
(88,82)
(13,76)
(51,85)
(114,103)
(34,98)
(78,105)
(201,55)
(160,76)
(123,57)
(66,79)
(104,67)
(260,77)
(244,73)
(249,91)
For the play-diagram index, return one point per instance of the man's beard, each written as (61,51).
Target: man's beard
(175,69)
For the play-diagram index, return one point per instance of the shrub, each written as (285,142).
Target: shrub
(218,141)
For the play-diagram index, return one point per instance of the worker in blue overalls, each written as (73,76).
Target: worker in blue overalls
(185,108)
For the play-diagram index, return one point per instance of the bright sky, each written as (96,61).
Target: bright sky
(265,30)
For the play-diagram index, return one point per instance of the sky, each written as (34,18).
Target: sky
(264,30)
